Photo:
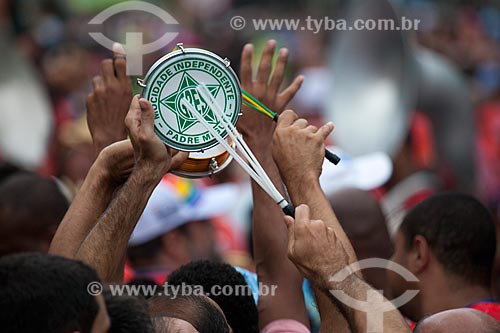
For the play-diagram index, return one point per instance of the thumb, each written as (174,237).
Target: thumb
(177,159)
(133,119)
(290,225)
(289,221)
(147,115)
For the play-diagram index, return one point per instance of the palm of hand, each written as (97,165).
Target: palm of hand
(265,88)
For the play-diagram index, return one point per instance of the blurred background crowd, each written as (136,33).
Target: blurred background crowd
(48,59)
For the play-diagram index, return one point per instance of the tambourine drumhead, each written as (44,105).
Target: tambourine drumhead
(175,77)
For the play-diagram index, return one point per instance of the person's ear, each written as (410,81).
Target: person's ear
(419,255)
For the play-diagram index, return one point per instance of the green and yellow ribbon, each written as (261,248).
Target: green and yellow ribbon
(257,105)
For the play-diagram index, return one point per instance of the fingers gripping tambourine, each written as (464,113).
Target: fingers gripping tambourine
(197,99)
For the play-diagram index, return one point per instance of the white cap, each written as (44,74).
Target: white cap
(365,172)
(167,209)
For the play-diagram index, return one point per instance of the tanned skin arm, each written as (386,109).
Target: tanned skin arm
(106,244)
(107,106)
(319,254)
(298,149)
(113,163)
(269,232)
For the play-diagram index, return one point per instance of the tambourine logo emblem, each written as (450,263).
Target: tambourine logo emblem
(178,82)
(187,90)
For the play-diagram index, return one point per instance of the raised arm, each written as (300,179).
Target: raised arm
(298,149)
(110,170)
(105,246)
(319,254)
(269,232)
(108,103)
(107,107)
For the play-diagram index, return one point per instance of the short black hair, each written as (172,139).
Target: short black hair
(460,232)
(240,310)
(196,310)
(128,314)
(8,169)
(31,208)
(44,293)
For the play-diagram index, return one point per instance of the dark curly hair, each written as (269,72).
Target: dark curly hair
(128,314)
(240,310)
(44,293)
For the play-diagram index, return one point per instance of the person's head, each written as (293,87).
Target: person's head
(463,320)
(31,208)
(8,169)
(176,225)
(171,325)
(363,221)
(127,314)
(448,239)
(193,240)
(239,308)
(43,293)
(187,314)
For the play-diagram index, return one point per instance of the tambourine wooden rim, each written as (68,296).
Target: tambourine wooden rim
(175,76)
(200,166)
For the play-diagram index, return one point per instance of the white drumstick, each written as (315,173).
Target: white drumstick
(235,135)
(254,170)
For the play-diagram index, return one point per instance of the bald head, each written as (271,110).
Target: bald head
(202,314)
(459,321)
(363,221)
(167,324)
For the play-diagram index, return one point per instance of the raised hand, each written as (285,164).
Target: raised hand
(266,88)
(299,149)
(108,104)
(313,247)
(117,161)
(150,152)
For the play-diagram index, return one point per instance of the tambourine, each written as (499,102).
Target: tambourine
(174,78)
(197,99)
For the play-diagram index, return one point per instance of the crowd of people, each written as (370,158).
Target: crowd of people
(97,234)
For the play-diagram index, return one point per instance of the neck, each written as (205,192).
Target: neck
(444,293)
